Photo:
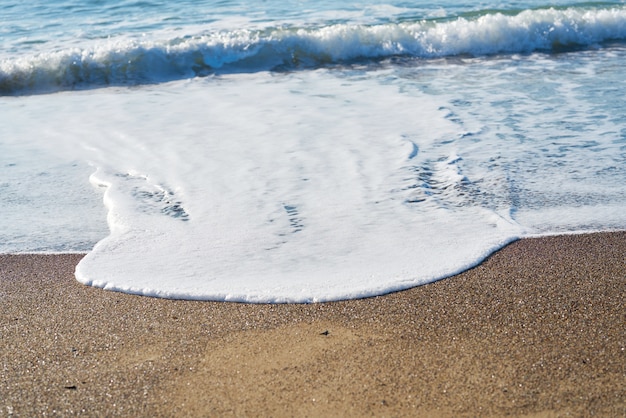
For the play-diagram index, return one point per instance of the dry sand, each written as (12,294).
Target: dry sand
(536,330)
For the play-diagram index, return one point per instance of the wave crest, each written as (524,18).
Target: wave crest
(133,62)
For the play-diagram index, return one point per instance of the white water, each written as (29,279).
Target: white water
(365,165)
(171,54)
(289,190)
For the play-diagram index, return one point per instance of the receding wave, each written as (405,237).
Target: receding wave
(134,62)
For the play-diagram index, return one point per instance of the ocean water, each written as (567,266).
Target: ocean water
(301,151)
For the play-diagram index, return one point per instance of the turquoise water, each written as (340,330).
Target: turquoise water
(305,151)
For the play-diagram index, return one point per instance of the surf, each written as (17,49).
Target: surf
(151,59)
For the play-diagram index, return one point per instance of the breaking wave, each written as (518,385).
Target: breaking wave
(147,61)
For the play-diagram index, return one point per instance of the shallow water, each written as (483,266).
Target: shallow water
(296,152)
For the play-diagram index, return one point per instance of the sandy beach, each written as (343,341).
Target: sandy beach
(537,330)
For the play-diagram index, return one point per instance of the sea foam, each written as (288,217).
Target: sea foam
(339,178)
(292,189)
(133,61)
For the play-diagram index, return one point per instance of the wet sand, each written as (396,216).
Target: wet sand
(537,330)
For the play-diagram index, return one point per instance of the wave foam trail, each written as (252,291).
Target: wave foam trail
(292,190)
(153,60)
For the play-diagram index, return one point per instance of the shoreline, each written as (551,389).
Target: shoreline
(536,329)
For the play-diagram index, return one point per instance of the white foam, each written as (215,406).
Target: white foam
(253,188)
(324,185)
(171,55)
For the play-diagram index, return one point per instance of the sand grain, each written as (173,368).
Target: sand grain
(536,330)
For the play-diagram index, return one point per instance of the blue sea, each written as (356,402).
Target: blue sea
(303,151)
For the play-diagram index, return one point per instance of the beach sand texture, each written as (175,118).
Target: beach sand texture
(538,329)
